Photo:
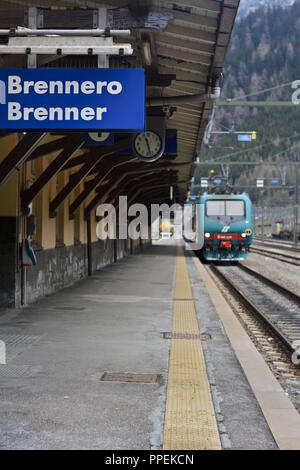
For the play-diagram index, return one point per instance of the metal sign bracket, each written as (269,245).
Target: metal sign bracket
(34,40)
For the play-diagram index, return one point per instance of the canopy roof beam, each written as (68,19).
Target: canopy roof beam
(29,194)
(19,154)
(76,178)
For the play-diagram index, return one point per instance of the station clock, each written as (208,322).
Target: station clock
(149,145)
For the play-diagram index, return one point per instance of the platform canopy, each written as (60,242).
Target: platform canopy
(181,45)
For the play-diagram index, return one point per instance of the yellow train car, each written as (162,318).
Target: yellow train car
(166,227)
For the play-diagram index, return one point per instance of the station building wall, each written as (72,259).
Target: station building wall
(60,243)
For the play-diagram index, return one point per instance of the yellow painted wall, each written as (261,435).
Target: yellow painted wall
(93,217)
(79,222)
(66,226)
(46,227)
(9,191)
(47,230)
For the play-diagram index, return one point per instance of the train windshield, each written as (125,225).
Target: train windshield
(215,208)
(234,209)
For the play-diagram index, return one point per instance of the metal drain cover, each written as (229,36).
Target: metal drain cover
(17,344)
(15,339)
(15,371)
(169,335)
(128,377)
(68,308)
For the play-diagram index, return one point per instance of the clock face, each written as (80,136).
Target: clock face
(148,145)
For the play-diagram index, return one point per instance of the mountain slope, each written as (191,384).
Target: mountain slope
(247,6)
(263,54)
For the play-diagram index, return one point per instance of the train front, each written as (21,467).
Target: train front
(226,226)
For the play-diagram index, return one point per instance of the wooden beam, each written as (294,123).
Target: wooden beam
(54,167)
(159,80)
(139,168)
(91,155)
(20,154)
(50,147)
(85,170)
(115,179)
(91,185)
(156,189)
(142,181)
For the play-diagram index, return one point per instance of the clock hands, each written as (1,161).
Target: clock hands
(148,145)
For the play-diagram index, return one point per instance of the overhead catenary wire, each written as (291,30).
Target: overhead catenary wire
(260,92)
(254,148)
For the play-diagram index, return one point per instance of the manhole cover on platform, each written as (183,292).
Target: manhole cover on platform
(169,335)
(128,377)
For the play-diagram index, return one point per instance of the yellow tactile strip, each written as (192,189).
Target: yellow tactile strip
(190,422)
(280,414)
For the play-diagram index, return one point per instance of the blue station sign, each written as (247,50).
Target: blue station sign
(244,138)
(99,138)
(72,99)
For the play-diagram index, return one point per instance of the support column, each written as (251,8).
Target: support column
(101,23)
(79,223)
(131,246)
(100,20)
(33,17)
(263,217)
(116,243)
(10,276)
(89,244)
(66,226)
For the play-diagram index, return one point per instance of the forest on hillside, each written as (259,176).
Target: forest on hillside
(264,53)
(250,5)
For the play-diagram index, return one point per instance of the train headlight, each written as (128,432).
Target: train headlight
(248,232)
(207,235)
(244,235)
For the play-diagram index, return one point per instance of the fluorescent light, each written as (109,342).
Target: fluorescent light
(147,53)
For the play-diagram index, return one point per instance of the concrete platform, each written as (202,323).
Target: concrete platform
(51,392)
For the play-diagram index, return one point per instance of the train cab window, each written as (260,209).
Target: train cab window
(225,211)
(235,208)
(215,208)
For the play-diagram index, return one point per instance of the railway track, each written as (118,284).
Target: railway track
(277,244)
(285,258)
(272,304)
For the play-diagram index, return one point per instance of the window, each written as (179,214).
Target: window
(215,208)
(235,208)
(230,208)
